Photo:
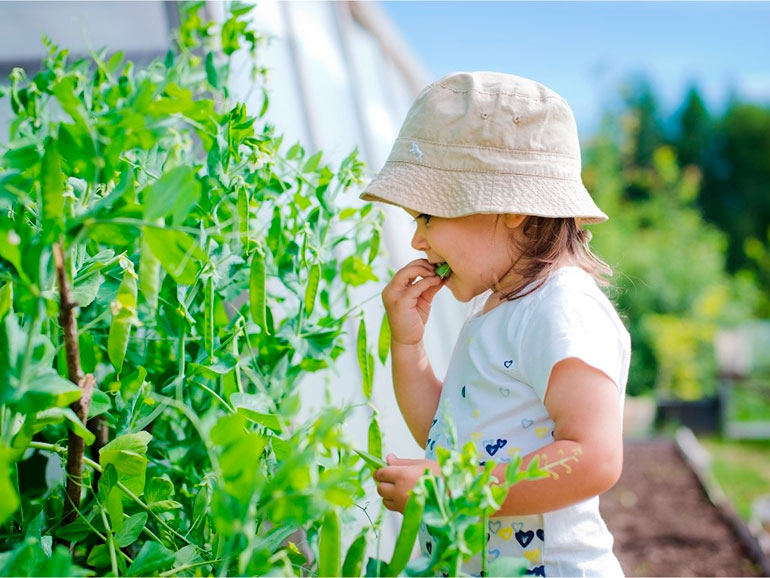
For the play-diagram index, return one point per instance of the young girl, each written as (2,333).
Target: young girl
(489,166)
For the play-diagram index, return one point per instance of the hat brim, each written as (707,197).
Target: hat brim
(445,193)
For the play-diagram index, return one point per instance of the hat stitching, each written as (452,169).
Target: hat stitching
(514,94)
(469,146)
(483,172)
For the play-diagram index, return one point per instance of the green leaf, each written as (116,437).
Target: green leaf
(124,316)
(132,528)
(312,163)
(114,506)
(74,532)
(383,342)
(55,415)
(65,94)
(52,189)
(47,389)
(221,368)
(100,403)
(178,253)
(152,559)
(85,291)
(176,192)
(355,272)
(165,506)
(253,406)
(99,556)
(329,545)
(128,454)
(257,290)
(158,489)
(312,288)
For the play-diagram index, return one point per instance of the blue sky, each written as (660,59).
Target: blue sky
(586,50)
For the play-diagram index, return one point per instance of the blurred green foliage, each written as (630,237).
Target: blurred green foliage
(679,273)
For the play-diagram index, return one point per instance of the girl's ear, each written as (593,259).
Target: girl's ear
(514,221)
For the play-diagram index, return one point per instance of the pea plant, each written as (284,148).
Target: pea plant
(170,273)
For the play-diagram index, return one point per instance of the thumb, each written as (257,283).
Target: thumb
(394,460)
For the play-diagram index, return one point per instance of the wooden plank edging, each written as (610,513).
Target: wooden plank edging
(698,460)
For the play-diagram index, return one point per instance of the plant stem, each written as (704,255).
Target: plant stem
(214,394)
(76,445)
(188,566)
(484,548)
(110,543)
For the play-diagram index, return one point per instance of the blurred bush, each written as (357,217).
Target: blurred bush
(672,283)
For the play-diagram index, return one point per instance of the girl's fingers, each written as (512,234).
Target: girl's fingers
(423,285)
(386,490)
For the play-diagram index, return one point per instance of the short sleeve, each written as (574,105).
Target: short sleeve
(567,324)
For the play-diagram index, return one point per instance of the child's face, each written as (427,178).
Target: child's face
(478,248)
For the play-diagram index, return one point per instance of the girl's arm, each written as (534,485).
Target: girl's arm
(416,386)
(586,456)
(407,299)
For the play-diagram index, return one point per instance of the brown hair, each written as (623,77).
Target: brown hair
(546,241)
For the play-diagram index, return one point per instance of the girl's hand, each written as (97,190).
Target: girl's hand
(396,481)
(407,301)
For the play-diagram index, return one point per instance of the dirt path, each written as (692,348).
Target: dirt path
(662,522)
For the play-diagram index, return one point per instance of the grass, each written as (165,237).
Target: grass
(742,469)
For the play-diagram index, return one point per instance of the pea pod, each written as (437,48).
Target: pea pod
(312,288)
(375,437)
(365,361)
(372,461)
(442,270)
(123,317)
(329,545)
(354,559)
(257,290)
(383,343)
(408,534)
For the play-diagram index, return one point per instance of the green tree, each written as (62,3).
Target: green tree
(671,283)
(696,131)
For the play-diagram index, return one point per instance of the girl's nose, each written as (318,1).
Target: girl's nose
(418,241)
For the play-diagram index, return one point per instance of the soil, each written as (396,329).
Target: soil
(663,523)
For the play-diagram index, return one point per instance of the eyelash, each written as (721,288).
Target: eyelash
(423,215)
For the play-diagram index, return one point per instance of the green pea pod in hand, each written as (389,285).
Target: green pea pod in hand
(408,534)
(372,461)
(442,270)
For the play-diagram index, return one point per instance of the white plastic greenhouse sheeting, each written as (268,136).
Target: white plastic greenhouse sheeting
(333,87)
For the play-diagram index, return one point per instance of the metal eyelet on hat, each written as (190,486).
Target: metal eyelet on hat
(485,115)
(516,118)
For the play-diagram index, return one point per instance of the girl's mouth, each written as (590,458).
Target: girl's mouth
(442,270)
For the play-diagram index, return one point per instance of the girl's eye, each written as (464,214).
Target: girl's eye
(423,216)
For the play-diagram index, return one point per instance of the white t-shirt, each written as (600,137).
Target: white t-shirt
(494,391)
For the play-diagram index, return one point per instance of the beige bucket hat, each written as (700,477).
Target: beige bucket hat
(486,142)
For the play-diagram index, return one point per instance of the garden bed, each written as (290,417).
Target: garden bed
(663,523)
